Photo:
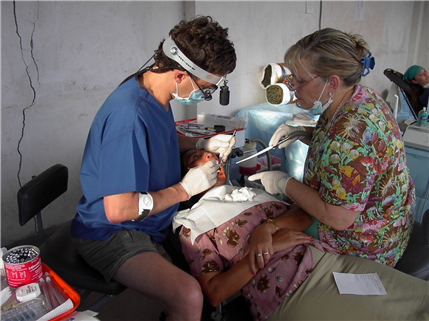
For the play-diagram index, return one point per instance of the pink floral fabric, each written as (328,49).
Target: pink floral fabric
(222,247)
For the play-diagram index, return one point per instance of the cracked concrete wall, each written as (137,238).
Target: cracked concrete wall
(60,60)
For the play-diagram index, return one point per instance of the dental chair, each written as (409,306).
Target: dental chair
(404,86)
(58,251)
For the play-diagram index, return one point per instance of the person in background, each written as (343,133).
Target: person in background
(294,276)
(130,173)
(356,183)
(418,78)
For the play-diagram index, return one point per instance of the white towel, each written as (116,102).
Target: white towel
(217,206)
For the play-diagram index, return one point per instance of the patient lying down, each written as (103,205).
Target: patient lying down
(294,276)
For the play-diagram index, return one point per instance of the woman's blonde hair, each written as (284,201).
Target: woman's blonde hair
(329,52)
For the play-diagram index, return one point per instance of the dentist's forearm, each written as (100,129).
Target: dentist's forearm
(125,207)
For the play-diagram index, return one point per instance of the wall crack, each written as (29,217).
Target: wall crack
(29,79)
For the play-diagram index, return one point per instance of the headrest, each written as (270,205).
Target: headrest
(397,78)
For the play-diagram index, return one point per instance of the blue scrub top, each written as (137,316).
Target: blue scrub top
(132,146)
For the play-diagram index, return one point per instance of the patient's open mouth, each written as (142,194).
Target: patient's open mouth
(220,167)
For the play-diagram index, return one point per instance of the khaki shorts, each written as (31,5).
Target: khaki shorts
(318,297)
(107,256)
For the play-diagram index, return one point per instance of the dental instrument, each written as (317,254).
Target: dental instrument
(286,138)
(222,162)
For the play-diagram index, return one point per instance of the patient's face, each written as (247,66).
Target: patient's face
(197,157)
(422,78)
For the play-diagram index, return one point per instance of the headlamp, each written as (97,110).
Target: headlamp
(172,51)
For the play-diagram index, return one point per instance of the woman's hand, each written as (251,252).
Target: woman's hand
(274,182)
(260,246)
(285,131)
(287,238)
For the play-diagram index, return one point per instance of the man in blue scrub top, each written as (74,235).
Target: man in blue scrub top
(130,172)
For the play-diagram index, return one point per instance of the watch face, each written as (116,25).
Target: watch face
(145,206)
(147,202)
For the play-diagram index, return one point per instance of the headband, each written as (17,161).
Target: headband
(411,72)
(172,51)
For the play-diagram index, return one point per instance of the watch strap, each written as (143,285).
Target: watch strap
(142,216)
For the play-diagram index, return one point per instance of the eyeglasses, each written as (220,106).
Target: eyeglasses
(291,78)
(207,92)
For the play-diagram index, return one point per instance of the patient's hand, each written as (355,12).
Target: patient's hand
(260,247)
(287,238)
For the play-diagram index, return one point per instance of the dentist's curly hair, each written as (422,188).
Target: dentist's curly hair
(204,42)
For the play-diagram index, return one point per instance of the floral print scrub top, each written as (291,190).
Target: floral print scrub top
(358,162)
(222,247)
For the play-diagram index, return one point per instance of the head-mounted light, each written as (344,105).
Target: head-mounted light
(173,52)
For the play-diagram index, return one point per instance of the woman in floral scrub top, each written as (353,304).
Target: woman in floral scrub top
(356,183)
(363,168)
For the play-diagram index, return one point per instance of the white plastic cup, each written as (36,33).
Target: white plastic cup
(248,167)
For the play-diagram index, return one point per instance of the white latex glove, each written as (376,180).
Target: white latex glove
(200,178)
(285,130)
(274,181)
(220,144)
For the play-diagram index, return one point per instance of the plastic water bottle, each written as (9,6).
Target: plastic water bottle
(422,117)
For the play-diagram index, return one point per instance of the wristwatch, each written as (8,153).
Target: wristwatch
(145,206)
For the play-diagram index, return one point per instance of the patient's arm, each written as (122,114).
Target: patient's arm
(261,240)
(219,286)
(294,218)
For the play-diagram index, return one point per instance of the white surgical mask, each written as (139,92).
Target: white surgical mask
(318,108)
(195,96)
